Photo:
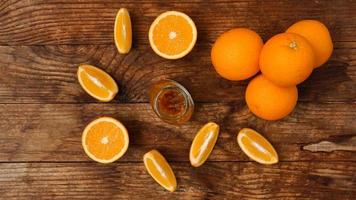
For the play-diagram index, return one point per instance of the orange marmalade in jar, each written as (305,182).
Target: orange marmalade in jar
(171,102)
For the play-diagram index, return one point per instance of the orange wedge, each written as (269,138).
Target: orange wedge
(159,169)
(256,147)
(203,144)
(172,35)
(97,83)
(123,31)
(105,140)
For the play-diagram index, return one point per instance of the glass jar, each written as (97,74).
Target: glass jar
(171,102)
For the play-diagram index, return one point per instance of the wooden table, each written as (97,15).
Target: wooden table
(44,109)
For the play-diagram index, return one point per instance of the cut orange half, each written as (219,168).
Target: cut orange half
(203,144)
(123,31)
(160,170)
(172,35)
(256,147)
(97,83)
(105,140)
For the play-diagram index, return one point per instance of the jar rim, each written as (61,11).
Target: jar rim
(188,100)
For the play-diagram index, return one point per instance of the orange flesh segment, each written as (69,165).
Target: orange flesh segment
(123,32)
(203,144)
(105,140)
(160,170)
(173,35)
(257,146)
(97,82)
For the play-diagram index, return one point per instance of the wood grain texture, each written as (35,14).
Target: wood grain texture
(47,74)
(44,110)
(221,180)
(91,22)
(38,132)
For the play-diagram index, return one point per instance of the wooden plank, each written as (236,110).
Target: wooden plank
(52,132)
(47,74)
(214,180)
(91,22)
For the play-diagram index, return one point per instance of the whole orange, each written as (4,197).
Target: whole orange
(268,100)
(235,54)
(317,35)
(287,59)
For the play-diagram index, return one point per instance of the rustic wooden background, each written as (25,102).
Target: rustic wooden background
(44,110)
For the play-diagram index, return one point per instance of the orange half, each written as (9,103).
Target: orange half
(97,83)
(172,35)
(256,147)
(105,140)
(160,170)
(203,144)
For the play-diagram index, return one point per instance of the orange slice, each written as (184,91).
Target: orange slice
(159,169)
(172,35)
(97,83)
(256,147)
(105,140)
(203,144)
(123,31)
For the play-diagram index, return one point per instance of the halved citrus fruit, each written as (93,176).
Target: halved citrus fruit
(160,170)
(172,35)
(123,31)
(105,140)
(203,144)
(97,83)
(256,147)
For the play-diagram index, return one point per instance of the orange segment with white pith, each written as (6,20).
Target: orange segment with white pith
(158,167)
(203,144)
(123,31)
(97,83)
(256,147)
